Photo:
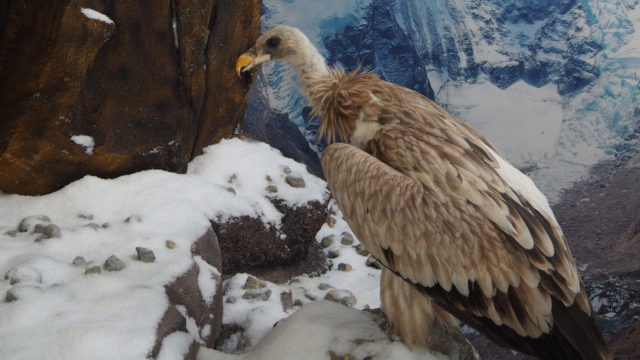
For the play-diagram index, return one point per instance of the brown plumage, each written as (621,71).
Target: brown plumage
(440,208)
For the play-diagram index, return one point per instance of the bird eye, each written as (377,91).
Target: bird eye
(273,42)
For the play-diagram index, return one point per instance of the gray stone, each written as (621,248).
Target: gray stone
(263,295)
(373,263)
(79,261)
(344,297)
(347,239)
(86,216)
(26,223)
(231,300)
(298,302)
(344,267)
(253,283)
(360,249)
(93,226)
(332,254)
(231,190)
(271,189)
(327,241)
(113,263)
(268,178)
(93,270)
(145,255)
(324,286)
(47,231)
(170,244)
(132,219)
(286,170)
(232,179)
(331,221)
(295,181)
(11,296)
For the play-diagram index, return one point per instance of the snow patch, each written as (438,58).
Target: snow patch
(207,279)
(95,15)
(86,141)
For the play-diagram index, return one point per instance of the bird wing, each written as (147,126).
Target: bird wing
(443,210)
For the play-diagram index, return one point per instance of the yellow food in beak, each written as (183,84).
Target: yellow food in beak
(244,63)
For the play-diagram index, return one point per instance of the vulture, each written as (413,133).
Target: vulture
(461,233)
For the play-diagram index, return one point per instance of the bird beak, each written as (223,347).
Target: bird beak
(249,60)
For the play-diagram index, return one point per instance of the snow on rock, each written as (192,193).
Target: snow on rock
(95,15)
(86,142)
(51,308)
(323,330)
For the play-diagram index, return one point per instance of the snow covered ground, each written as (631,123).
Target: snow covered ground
(54,304)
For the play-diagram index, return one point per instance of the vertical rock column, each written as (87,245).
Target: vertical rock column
(149,84)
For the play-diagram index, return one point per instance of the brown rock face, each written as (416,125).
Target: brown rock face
(152,88)
(185,293)
(248,246)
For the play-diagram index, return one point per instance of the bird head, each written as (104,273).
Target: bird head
(279,43)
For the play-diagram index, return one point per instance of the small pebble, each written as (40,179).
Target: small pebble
(232,179)
(11,296)
(27,222)
(145,255)
(170,244)
(257,294)
(113,263)
(93,270)
(269,179)
(79,261)
(253,283)
(231,300)
(286,170)
(105,225)
(332,254)
(85,216)
(327,241)
(231,190)
(324,286)
(347,239)
(298,302)
(47,231)
(344,267)
(295,181)
(373,263)
(271,189)
(132,219)
(361,250)
(93,226)
(344,297)
(331,221)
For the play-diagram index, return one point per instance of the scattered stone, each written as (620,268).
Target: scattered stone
(47,231)
(132,218)
(105,225)
(344,297)
(269,179)
(263,295)
(331,221)
(93,270)
(347,239)
(170,244)
(113,263)
(271,189)
(29,221)
(11,296)
(361,250)
(310,296)
(93,226)
(232,179)
(327,241)
(231,190)
(324,286)
(286,170)
(373,263)
(344,267)
(253,283)
(332,254)
(86,216)
(295,181)
(145,255)
(231,300)
(79,261)
(286,299)
(298,302)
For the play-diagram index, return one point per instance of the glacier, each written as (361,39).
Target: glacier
(552,83)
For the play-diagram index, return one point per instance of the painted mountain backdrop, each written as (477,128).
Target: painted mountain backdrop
(553,83)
